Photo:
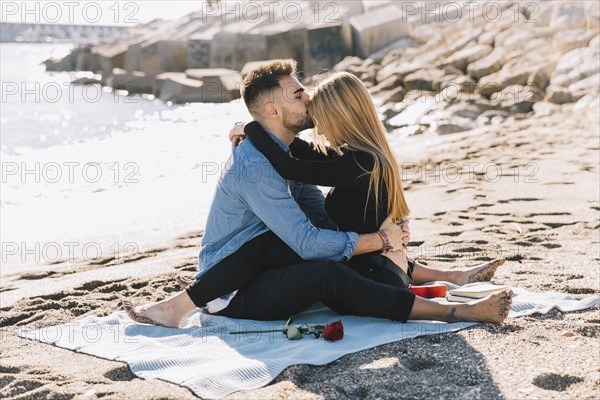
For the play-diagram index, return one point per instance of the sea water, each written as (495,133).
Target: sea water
(88,172)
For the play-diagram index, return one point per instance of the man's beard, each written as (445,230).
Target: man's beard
(297,122)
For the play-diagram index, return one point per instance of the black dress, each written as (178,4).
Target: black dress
(349,176)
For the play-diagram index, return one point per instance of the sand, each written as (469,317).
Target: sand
(543,219)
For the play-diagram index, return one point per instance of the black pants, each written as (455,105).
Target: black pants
(273,282)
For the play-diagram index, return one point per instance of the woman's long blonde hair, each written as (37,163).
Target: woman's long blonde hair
(344,114)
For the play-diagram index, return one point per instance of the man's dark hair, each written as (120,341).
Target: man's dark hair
(264,79)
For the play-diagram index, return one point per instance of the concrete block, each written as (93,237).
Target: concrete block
(180,90)
(236,44)
(376,29)
(155,57)
(160,79)
(323,48)
(135,82)
(226,81)
(112,56)
(199,48)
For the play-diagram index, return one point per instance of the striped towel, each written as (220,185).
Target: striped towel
(212,363)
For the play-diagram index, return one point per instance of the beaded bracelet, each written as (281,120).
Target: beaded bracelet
(387,246)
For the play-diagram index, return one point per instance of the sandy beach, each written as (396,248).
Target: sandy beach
(541,215)
(510,170)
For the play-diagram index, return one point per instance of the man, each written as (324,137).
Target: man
(256,214)
(250,189)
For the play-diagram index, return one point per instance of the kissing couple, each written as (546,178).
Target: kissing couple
(274,245)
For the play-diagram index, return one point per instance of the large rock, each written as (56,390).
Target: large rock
(466,56)
(517,99)
(593,16)
(520,36)
(393,51)
(558,95)
(427,79)
(426,33)
(584,86)
(395,95)
(540,78)
(493,62)
(515,72)
(400,69)
(392,82)
(568,40)
(492,117)
(365,70)
(569,15)
(374,30)
(349,64)
(463,83)
(412,110)
(576,65)
(439,48)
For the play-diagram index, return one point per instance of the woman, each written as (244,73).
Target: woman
(367,187)
(362,171)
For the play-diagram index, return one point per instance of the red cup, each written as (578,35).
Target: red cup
(429,292)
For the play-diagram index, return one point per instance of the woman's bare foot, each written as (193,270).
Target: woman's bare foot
(479,273)
(493,308)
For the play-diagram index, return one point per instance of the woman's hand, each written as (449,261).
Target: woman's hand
(397,232)
(236,134)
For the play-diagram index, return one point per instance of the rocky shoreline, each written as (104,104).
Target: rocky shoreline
(439,77)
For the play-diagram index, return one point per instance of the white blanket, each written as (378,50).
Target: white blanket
(211,362)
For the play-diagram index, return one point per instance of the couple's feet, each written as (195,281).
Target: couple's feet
(493,308)
(479,273)
(169,312)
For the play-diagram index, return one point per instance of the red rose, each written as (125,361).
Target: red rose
(333,331)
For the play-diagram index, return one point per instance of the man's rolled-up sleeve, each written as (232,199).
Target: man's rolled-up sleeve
(268,196)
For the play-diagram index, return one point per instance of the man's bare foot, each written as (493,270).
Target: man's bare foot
(151,314)
(183,282)
(493,308)
(479,273)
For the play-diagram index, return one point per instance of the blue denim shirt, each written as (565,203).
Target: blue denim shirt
(252,198)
